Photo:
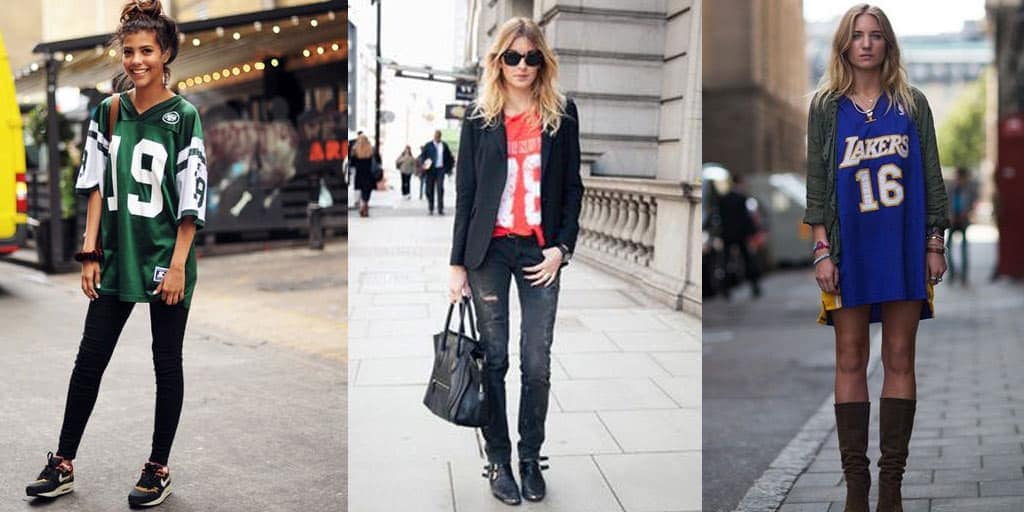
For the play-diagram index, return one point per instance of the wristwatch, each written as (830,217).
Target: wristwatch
(566,255)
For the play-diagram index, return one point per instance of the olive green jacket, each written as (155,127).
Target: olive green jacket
(822,167)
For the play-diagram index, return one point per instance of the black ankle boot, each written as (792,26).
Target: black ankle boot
(503,483)
(534,487)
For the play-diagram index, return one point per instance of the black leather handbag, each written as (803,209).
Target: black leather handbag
(456,389)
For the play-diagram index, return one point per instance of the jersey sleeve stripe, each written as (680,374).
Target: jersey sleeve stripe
(94,161)
(190,174)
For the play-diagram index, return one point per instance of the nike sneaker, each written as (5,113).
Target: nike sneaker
(153,488)
(56,479)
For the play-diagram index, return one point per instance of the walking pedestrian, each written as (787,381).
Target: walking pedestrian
(963,194)
(875,191)
(145,203)
(406,165)
(439,162)
(518,199)
(368,173)
(737,227)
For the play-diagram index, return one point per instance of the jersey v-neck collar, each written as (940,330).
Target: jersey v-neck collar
(127,101)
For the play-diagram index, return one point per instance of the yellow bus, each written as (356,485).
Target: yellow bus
(13,190)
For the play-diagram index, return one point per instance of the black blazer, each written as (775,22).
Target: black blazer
(480,180)
(427,152)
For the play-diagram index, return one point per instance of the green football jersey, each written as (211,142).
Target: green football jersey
(152,174)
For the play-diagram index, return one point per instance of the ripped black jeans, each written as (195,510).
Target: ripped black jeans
(506,258)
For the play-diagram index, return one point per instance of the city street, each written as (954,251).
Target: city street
(623,430)
(263,423)
(770,433)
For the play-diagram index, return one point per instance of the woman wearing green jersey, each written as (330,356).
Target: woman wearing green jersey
(144,173)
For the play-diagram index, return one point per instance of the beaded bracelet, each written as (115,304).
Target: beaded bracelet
(821,258)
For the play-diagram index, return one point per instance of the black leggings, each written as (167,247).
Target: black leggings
(103,323)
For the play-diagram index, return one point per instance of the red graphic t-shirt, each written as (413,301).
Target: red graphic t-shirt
(519,212)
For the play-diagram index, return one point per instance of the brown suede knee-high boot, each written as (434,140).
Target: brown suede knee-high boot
(896,422)
(852,420)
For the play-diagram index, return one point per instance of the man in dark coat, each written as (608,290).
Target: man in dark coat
(437,159)
(737,228)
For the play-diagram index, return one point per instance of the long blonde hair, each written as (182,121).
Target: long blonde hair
(363,148)
(491,100)
(838,77)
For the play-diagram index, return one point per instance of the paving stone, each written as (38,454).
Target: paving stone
(1010,504)
(1003,488)
(611,394)
(656,430)
(652,482)
(610,364)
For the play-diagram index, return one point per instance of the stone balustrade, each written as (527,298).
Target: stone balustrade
(620,231)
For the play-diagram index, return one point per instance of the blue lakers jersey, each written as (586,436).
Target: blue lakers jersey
(881,200)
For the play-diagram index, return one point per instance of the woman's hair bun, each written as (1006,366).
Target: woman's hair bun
(135,8)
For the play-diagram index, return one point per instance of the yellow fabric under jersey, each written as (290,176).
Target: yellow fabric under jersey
(833,301)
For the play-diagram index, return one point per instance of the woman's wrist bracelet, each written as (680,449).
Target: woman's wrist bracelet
(936,250)
(93,255)
(821,258)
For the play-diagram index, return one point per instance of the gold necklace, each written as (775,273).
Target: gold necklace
(869,112)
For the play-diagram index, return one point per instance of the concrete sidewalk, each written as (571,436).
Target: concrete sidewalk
(263,422)
(624,427)
(967,450)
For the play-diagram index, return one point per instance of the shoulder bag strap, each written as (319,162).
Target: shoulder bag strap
(115,106)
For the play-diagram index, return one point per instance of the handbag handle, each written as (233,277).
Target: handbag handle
(465,305)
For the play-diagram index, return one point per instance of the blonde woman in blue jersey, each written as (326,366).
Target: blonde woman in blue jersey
(875,191)
(144,173)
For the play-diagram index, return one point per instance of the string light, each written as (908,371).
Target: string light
(257,26)
(260,66)
(207,79)
(195,41)
(34,66)
(276,29)
(237,36)
(319,50)
(216,75)
(305,53)
(246,68)
(334,46)
(274,62)
(313,22)
(225,72)
(235,71)
(112,53)
(182,85)
(69,58)
(220,31)
(190,82)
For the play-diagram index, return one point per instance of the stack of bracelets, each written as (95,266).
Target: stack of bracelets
(936,234)
(817,247)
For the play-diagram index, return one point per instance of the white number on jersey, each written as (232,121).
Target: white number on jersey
(889,188)
(153,176)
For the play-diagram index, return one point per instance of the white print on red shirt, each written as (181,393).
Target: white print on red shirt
(531,186)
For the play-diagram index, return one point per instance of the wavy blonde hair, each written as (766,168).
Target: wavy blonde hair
(838,77)
(549,100)
(363,148)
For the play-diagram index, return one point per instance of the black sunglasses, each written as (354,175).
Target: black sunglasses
(533,58)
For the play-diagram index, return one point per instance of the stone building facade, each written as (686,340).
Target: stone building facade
(755,85)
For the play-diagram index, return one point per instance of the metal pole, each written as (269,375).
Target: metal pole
(376,114)
(56,252)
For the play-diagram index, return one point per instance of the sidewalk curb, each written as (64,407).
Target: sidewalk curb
(770,490)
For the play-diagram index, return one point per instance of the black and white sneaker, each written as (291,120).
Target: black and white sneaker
(56,479)
(153,488)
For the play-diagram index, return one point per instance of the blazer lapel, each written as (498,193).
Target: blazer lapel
(500,142)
